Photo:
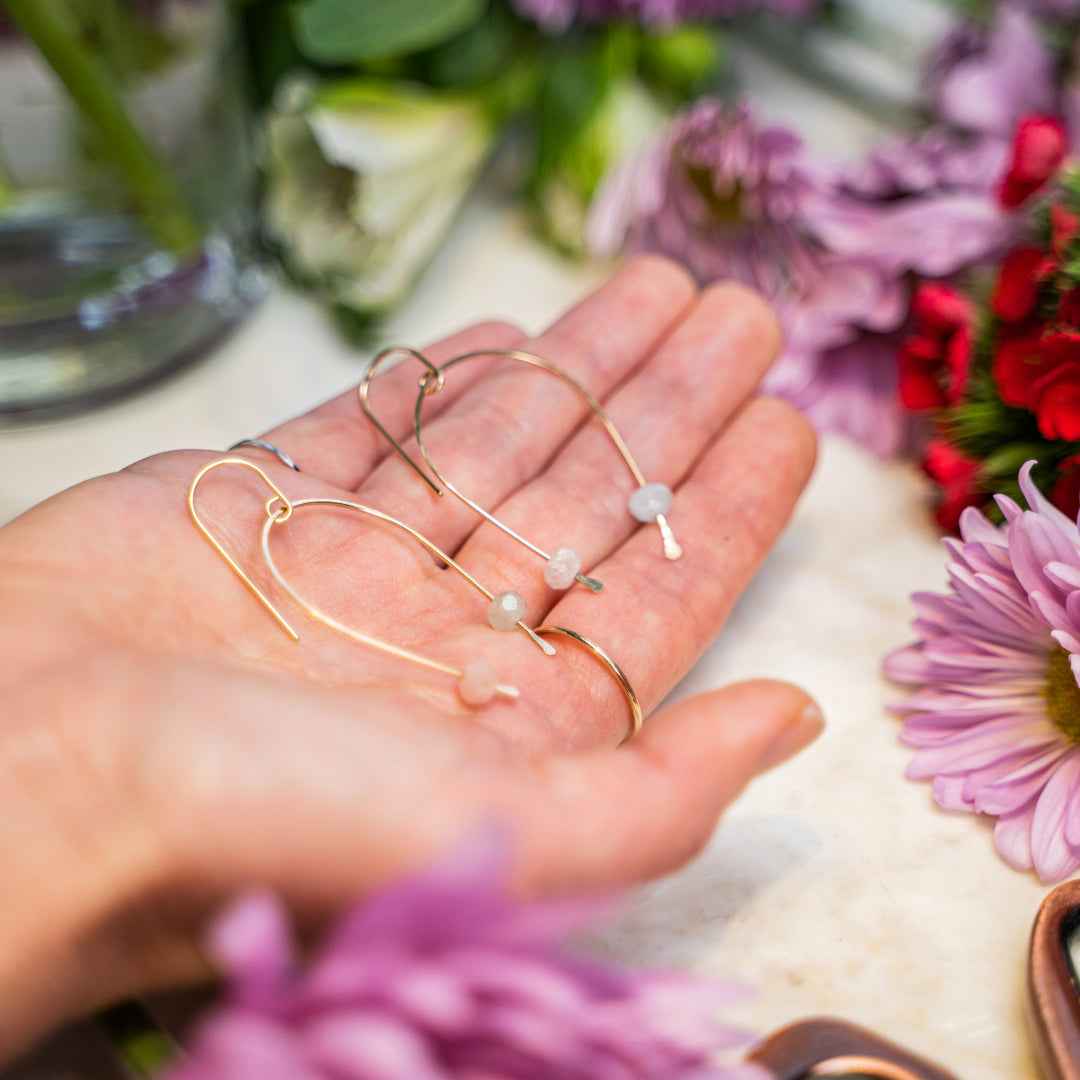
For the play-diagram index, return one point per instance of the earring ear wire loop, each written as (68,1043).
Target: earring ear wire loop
(433,380)
(201,526)
(636,719)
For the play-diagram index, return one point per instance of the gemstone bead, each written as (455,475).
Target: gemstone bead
(649,501)
(506,610)
(478,681)
(562,568)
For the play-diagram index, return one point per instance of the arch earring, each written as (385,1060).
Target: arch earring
(477,681)
(649,502)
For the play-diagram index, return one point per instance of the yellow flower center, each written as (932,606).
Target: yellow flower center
(1063,695)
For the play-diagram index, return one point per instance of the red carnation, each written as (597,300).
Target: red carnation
(1038,150)
(1023,359)
(1065,494)
(936,359)
(957,474)
(1018,285)
(1057,403)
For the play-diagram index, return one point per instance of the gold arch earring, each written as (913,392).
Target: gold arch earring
(649,501)
(477,681)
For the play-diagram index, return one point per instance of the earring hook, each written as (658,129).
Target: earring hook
(284,516)
(430,382)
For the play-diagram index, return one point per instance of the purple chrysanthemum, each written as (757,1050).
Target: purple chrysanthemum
(996,718)
(831,249)
(730,198)
(718,192)
(442,977)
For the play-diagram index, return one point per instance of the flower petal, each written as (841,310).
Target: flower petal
(1052,855)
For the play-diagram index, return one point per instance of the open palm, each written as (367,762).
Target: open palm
(166,743)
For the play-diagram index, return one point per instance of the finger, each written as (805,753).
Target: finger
(335,441)
(503,429)
(688,390)
(607,818)
(655,616)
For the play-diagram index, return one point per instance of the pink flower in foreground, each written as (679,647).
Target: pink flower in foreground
(996,716)
(443,977)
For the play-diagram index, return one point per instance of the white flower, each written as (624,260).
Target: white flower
(364,181)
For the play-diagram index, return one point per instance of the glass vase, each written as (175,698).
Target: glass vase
(127,214)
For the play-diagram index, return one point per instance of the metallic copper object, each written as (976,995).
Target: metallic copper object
(821,1046)
(1053,996)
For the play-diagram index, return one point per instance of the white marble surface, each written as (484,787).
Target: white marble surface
(834,885)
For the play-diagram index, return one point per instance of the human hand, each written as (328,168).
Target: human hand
(163,743)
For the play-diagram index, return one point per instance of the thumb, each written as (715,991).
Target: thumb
(609,818)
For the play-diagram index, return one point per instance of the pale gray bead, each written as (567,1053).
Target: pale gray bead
(506,610)
(562,568)
(649,501)
(478,681)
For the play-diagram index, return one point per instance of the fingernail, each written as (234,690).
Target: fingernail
(799,734)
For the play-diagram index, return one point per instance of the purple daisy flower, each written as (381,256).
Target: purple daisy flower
(443,977)
(996,718)
(718,192)
(730,198)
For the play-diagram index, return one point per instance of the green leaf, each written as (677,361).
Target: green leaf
(685,61)
(576,84)
(350,31)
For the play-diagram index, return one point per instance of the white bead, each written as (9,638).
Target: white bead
(506,610)
(562,568)
(478,681)
(649,501)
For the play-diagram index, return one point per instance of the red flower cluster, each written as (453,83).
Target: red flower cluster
(1037,362)
(1027,354)
(936,359)
(1038,150)
(957,475)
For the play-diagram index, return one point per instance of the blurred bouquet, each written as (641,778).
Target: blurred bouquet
(379,118)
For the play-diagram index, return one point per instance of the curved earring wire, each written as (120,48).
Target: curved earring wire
(432,381)
(279,509)
(284,513)
(278,495)
(315,613)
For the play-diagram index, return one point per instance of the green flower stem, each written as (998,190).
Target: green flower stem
(51,26)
